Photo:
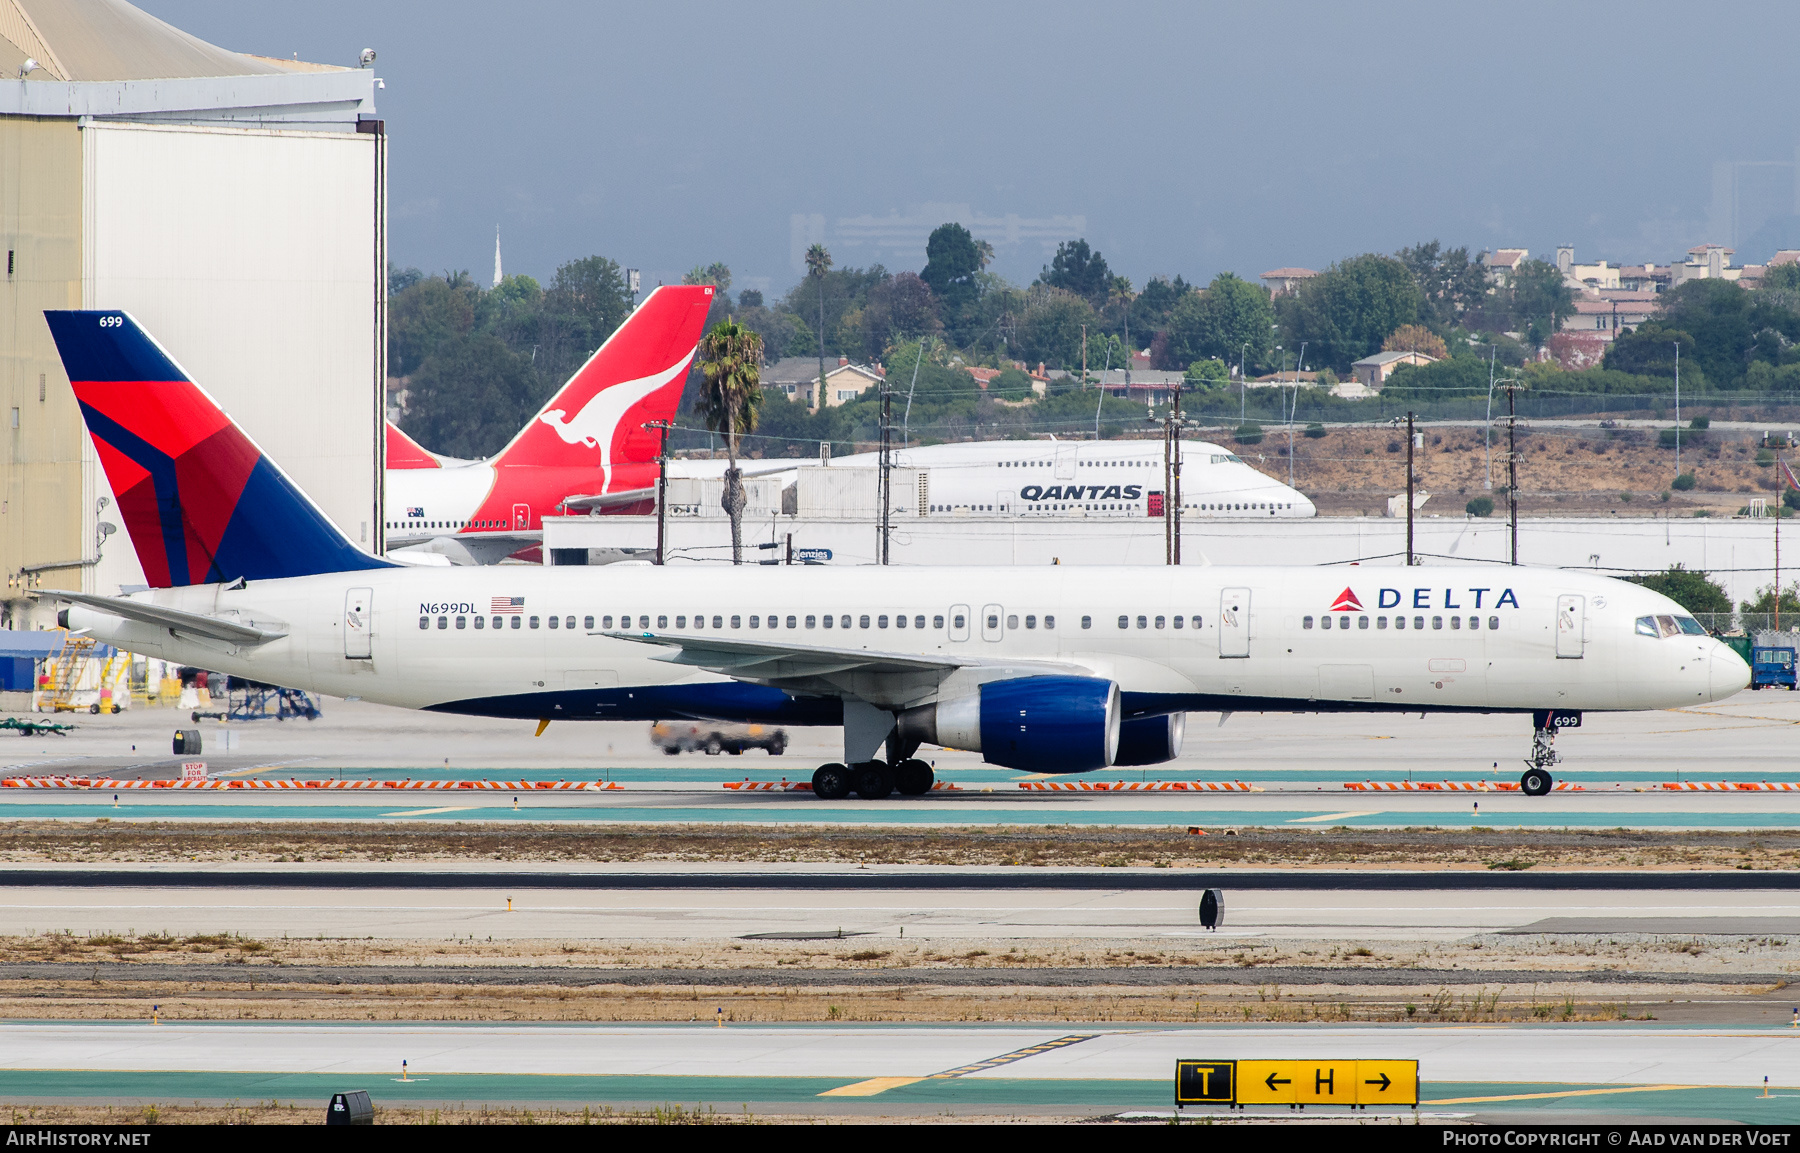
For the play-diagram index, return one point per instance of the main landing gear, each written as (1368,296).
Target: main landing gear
(873,780)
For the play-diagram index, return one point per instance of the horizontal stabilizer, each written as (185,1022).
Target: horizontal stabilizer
(610,499)
(175,620)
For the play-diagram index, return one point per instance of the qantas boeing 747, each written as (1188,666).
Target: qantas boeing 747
(1071,670)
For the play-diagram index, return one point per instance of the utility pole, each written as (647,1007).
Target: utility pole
(1172,482)
(662,481)
(1084,354)
(1488,433)
(1243,384)
(1778,499)
(883,488)
(1410,558)
(1512,464)
(1678,415)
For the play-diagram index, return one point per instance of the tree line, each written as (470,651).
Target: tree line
(477,362)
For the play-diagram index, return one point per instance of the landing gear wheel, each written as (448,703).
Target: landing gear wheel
(672,750)
(713,747)
(831,782)
(874,780)
(777,747)
(913,778)
(1535,783)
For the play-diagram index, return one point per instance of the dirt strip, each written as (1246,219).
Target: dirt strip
(104,840)
(489,976)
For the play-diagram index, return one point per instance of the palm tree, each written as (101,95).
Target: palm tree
(731,365)
(818,262)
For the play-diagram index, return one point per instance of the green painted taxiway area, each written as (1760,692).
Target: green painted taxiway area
(1541,1102)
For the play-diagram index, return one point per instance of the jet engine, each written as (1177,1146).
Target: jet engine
(1049,724)
(1151,740)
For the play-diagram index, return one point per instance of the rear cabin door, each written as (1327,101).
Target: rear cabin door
(521,517)
(1065,461)
(1571,626)
(1234,623)
(358,625)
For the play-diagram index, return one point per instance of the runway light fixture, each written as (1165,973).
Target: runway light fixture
(365,58)
(28,67)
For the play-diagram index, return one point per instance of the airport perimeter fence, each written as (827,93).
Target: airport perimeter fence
(1756,625)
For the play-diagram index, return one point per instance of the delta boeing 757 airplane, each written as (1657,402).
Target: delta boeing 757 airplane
(1060,670)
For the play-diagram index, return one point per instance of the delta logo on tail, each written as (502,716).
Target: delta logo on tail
(1346,602)
(200,500)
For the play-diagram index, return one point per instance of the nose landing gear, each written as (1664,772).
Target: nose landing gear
(1544,722)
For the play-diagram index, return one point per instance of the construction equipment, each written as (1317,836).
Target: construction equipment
(85,675)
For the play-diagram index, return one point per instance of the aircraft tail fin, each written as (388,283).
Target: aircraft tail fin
(202,503)
(405,452)
(596,419)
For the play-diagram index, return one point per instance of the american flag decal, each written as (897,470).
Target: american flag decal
(508,605)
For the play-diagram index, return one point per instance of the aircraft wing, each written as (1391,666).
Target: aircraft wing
(885,679)
(177,621)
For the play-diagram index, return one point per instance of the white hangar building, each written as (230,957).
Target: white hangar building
(237,206)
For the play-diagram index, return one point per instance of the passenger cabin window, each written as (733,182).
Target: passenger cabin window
(462,622)
(425,623)
(812,621)
(1012,620)
(534,623)
(937,621)
(518,621)
(1324,622)
(1049,622)
(1087,622)
(1381,622)
(1030,621)
(737,622)
(555,622)
(957,622)
(588,622)
(1124,622)
(1437,622)
(480,622)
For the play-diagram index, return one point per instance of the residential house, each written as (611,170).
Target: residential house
(1284,281)
(1705,262)
(1585,277)
(1644,278)
(1503,262)
(1372,371)
(1151,386)
(1605,317)
(797,377)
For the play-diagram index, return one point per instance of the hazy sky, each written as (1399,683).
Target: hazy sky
(1179,137)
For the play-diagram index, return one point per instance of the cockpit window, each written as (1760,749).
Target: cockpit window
(1669,626)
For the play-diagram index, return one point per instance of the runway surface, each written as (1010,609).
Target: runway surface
(1544,1073)
(1302,760)
(893,903)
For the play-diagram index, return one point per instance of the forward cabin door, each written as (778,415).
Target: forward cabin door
(1234,623)
(358,624)
(1571,626)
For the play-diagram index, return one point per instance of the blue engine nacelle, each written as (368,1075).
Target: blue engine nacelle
(1151,740)
(1047,724)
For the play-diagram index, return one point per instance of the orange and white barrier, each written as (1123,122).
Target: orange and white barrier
(1731,786)
(1138,787)
(1452,787)
(786,786)
(494,786)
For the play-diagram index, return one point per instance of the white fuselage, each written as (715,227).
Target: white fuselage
(1248,636)
(1069,478)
